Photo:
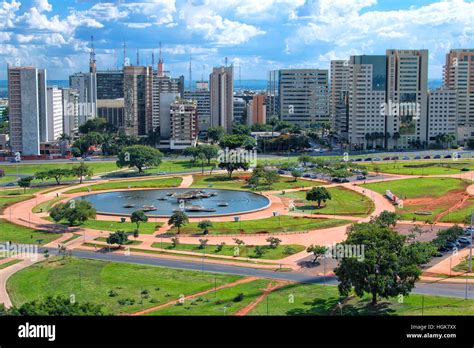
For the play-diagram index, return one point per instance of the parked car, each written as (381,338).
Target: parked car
(341,180)
(161,173)
(443,249)
(386,158)
(376,159)
(417,157)
(281,171)
(10,184)
(427,157)
(358,159)
(465,169)
(368,159)
(448,156)
(361,177)
(395,158)
(437,157)
(464,240)
(451,245)
(306,175)
(405,158)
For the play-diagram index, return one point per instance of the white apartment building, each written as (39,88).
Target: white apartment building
(339,96)
(70,111)
(202,96)
(86,85)
(366,95)
(54,113)
(184,124)
(222,101)
(442,113)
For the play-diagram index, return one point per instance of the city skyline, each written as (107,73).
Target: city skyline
(273,35)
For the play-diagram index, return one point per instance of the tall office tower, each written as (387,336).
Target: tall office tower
(70,104)
(109,84)
(222,101)
(407,98)
(113,111)
(366,83)
(86,84)
(54,113)
(184,124)
(339,107)
(273,100)
(240,106)
(459,75)
(163,83)
(257,110)
(304,96)
(166,99)
(202,97)
(138,88)
(27,109)
(442,113)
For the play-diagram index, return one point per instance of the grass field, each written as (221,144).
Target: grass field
(222,302)
(114,185)
(5,202)
(95,281)
(238,182)
(5,179)
(30,169)
(462,215)
(282,223)
(323,300)
(277,253)
(343,202)
(23,235)
(113,226)
(46,206)
(9,263)
(20,191)
(426,167)
(423,194)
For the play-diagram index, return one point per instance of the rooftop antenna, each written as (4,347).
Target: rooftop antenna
(161,64)
(115,59)
(92,61)
(124,53)
(153,59)
(190,74)
(138,57)
(240,77)
(202,76)
(226,62)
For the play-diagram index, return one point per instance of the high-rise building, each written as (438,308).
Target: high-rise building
(27,109)
(54,113)
(407,98)
(113,111)
(442,113)
(166,99)
(86,85)
(70,103)
(257,110)
(273,90)
(222,101)
(366,93)
(163,83)
(109,84)
(184,124)
(202,97)
(459,76)
(339,107)
(304,96)
(240,107)
(138,88)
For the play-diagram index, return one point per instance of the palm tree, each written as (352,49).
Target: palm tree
(395,138)
(386,136)
(368,137)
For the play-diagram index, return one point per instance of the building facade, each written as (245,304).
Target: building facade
(70,104)
(339,93)
(27,109)
(222,101)
(202,96)
(304,96)
(257,110)
(86,85)
(184,124)
(110,84)
(54,113)
(442,113)
(113,111)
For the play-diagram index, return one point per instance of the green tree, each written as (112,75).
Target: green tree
(470,143)
(205,225)
(318,194)
(25,182)
(203,243)
(317,250)
(56,174)
(209,151)
(230,167)
(295,173)
(232,141)
(388,267)
(82,171)
(120,238)
(215,134)
(192,151)
(139,156)
(75,212)
(137,217)
(53,306)
(259,251)
(273,242)
(178,219)
(305,159)
(98,124)
(387,219)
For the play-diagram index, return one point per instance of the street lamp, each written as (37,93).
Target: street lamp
(470,244)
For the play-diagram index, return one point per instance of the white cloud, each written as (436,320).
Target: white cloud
(138,25)
(24,38)
(5,36)
(7,13)
(43,5)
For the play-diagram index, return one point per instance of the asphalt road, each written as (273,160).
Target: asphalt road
(437,289)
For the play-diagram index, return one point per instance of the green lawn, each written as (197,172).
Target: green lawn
(113,226)
(306,299)
(275,224)
(74,236)
(24,235)
(426,167)
(46,206)
(95,281)
(238,182)
(343,202)
(5,179)
(20,191)
(5,202)
(222,302)
(25,168)
(9,263)
(462,215)
(155,183)
(463,266)
(428,188)
(277,253)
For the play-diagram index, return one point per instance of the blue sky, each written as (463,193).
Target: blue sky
(258,35)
